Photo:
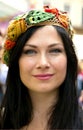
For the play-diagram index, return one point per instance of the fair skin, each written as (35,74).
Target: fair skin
(42,67)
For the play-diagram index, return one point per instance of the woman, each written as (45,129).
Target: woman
(41,81)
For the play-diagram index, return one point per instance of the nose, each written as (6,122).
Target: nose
(43,62)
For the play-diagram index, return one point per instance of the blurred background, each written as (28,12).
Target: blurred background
(9,9)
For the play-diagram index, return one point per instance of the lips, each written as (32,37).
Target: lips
(43,76)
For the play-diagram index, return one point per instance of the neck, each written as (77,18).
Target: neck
(42,102)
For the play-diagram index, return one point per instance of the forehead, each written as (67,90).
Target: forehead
(45,34)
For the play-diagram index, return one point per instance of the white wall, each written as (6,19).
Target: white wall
(78,41)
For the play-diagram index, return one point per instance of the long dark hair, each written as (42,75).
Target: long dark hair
(17,110)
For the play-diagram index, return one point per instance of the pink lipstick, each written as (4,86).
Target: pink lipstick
(43,76)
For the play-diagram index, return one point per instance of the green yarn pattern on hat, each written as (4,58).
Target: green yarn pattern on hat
(35,17)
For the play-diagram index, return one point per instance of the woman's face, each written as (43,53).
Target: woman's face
(43,62)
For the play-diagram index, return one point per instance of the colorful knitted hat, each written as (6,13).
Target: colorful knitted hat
(21,23)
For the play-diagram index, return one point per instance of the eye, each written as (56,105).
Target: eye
(54,51)
(29,52)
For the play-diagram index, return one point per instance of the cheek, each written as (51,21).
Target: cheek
(26,65)
(60,65)
(63,64)
(59,60)
(61,70)
(26,68)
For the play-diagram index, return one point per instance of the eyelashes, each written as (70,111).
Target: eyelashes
(29,52)
(32,52)
(55,51)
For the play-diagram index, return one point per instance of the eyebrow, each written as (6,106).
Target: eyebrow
(52,45)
